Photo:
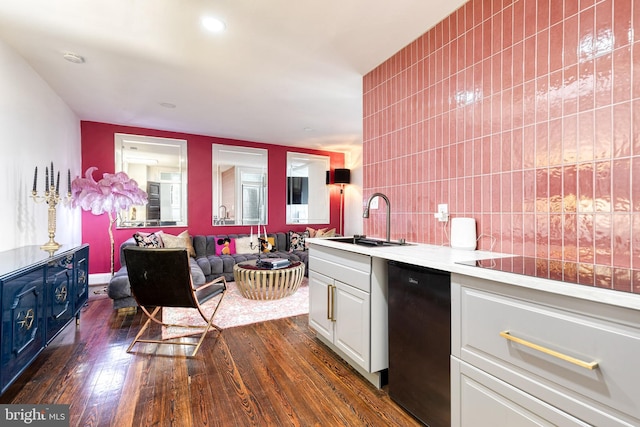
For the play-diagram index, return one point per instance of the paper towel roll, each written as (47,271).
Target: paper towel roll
(463,233)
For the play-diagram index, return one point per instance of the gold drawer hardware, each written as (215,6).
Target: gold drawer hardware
(25,320)
(588,365)
(330,300)
(61,294)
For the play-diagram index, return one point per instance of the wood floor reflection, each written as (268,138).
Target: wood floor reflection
(273,373)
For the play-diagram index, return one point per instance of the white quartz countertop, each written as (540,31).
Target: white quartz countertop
(445,258)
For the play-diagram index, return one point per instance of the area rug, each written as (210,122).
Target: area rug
(236,310)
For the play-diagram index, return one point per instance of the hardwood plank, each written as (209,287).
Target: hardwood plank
(270,373)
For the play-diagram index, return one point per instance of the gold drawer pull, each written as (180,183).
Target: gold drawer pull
(581,363)
(330,301)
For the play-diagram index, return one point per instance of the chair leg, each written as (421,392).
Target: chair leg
(144,327)
(209,322)
(215,310)
(205,329)
(204,333)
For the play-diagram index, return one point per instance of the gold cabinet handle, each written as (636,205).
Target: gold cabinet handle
(332,290)
(588,365)
(330,299)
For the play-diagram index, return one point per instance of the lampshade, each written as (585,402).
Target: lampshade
(342,176)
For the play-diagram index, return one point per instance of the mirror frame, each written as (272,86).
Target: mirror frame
(244,161)
(120,141)
(318,193)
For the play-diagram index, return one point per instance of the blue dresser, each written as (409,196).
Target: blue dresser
(40,295)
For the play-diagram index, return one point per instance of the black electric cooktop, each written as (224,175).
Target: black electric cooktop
(565,271)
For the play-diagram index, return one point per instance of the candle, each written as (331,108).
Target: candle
(69,181)
(57,183)
(52,174)
(35,178)
(264,228)
(251,236)
(46,179)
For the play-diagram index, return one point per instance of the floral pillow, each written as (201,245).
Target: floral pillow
(148,240)
(297,240)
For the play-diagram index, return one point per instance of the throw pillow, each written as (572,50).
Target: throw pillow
(268,245)
(243,245)
(148,240)
(326,233)
(297,240)
(312,231)
(182,240)
(225,246)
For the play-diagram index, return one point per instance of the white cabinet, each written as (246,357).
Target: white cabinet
(347,307)
(538,358)
(340,313)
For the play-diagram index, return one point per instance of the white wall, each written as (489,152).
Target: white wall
(353,194)
(36,128)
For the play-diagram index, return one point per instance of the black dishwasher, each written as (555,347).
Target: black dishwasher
(420,342)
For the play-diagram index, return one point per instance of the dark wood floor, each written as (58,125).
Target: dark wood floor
(269,374)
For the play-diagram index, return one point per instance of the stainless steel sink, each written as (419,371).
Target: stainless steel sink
(366,241)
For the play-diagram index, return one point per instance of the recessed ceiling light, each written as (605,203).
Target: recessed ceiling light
(73,57)
(167,105)
(213,24)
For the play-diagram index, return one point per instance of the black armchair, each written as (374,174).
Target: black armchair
(161,278)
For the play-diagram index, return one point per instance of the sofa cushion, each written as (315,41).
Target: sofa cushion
(197,276)
(119,285)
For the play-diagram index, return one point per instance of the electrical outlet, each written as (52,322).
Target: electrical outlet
(443,213)
(374,203)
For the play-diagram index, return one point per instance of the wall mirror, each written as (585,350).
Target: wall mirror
(159,165)
(307,190)
(239,185)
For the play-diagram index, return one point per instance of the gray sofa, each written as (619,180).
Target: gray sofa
(205,266)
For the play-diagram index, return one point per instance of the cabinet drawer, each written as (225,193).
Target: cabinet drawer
(488,402)
(348,267)
(550,377)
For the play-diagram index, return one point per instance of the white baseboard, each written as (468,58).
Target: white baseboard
(99,279)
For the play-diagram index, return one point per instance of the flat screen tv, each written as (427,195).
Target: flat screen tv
(297,190)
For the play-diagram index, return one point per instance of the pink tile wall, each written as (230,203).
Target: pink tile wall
(524,115)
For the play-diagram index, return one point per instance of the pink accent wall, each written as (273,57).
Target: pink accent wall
(524,115)
(98,150)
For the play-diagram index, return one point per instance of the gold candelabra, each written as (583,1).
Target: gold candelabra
(52,198)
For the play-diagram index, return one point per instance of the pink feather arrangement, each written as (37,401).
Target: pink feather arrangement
(113,193)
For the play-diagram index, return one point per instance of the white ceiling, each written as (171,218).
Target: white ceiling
(285,71)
